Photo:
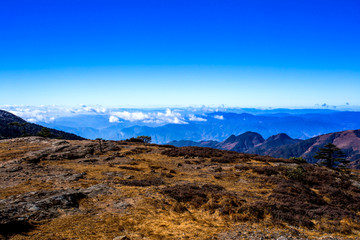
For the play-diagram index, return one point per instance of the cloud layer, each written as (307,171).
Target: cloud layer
(168,116)
(48,114)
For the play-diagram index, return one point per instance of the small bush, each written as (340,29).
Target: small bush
(267,170)
(129,168)
(191,193)
(242,167)
(298,159)
(297,173)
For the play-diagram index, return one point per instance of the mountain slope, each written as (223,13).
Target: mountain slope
(54,189)
(272,142)
(348,141)
(10,130)
(282,146)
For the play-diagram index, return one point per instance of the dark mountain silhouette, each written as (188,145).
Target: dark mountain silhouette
(241,143)
(12,126)
(283,146)
(272,142)
(348,141)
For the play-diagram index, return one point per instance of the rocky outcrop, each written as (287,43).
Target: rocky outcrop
(41,205)
(61,150)
(38,205)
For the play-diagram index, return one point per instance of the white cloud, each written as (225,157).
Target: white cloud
(220,117)
(168,116)
(113,119)
(192,117)
(131,116)
(31,115)
(49,114)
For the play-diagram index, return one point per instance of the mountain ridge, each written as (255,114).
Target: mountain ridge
(12,126)
(283,146)
(213,126)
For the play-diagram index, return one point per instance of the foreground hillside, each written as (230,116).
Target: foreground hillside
(56,189)
(12,126)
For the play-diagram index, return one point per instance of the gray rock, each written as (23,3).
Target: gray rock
(14,169)
(36,156)
(38,205)
(355,183)
(60,142)
(124,237)
(75,177)
(42,205)
(122,205)
(95,190)
(113,174)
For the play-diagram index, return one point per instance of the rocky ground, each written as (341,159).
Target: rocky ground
(56,189)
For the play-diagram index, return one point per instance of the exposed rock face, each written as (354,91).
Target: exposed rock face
(60,150)
(9,130)
(41,205)
(38,205)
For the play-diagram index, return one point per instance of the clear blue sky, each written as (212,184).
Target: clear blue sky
(240,53)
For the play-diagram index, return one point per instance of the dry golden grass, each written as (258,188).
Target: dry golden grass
(24,187)
(152,214)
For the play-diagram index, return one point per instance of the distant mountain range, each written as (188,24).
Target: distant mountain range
(215,126)
(283,146)
(12,126)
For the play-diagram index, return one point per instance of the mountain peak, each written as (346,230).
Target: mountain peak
(241,143)
(280,136)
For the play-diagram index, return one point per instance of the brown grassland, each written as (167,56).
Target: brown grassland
(162,192)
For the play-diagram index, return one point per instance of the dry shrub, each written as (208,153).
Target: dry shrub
(193,194)
(242,167)
(137,150)
(293,200)
(296,173)
(193,152)
(216,155)
(214,198)
(292,203)
(305,192)
(345,226)
(268,170)
(271,159)
(227,158)
(130,168)
(166,146)
(142,182)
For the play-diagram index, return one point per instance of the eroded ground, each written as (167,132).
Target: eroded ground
(55,189)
